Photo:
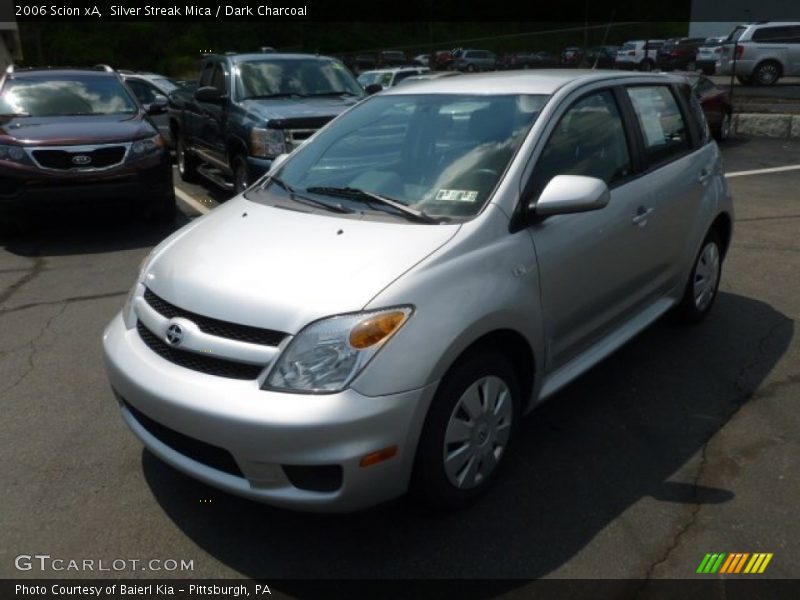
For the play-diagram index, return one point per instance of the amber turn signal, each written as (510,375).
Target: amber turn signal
(373,329)
(381,455)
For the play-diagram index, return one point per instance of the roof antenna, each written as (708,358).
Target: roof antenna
(605,38)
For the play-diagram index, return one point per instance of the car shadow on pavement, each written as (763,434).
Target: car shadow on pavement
(615,436)
(84,231)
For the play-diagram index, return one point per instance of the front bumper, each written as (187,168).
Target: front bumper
(143,182)
(266,431)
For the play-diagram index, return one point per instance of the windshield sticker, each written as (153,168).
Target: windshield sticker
(457,195)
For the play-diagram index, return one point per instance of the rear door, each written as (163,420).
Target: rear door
(212,118)
(678,167)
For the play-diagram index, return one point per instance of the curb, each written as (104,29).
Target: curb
(767,125)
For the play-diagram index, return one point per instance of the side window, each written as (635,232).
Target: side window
(588,140)
(141,90)
(205,76)
(771,34)
(663,129)
(218,79)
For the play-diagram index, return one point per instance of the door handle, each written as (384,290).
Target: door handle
(641,216)
(705,173)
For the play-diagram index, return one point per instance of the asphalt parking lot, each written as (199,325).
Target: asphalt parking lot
(686,441)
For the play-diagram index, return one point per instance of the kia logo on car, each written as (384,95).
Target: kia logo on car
(81,159)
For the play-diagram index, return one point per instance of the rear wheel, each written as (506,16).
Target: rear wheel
(691,66)
(646,65)
(701,289)
(724,131)
(767,73)
(467,432)
(187,164)
(470,68)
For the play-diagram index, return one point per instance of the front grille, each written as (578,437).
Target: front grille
(211,456)
(99,158)
(223,329)
(209,365)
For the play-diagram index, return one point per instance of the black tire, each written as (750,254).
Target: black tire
(430,482)
(690,310)
(470,68)
(241,177)
(767,73)
(723,131)
(646,65)
(187,163)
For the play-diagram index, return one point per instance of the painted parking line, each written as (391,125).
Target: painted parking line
(763,171)
(201,208)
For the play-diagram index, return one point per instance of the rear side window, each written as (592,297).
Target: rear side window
(663,129)
(588,140)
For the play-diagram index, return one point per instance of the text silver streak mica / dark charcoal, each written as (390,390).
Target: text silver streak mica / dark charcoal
(376,314)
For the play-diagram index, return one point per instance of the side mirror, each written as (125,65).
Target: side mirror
(278,161)
(373,88)
(570,194)
(158,106)
(209,94)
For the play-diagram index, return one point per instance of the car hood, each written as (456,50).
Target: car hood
(74,130)
(278,109)
(280,269)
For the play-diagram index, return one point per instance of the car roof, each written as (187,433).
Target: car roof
(539,81)
(396,70)
(47,72)
(274,56)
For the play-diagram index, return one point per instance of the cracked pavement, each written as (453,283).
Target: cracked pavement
(684,442)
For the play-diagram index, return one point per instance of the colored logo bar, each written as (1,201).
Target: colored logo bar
(734,563)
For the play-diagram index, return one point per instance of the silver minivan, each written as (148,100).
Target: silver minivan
(378,312)
(762,53)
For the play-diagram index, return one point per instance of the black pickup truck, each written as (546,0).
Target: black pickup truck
(249,108)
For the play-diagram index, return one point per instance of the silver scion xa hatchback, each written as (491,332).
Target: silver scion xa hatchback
(378,312)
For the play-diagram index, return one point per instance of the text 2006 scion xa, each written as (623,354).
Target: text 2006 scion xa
(377,313)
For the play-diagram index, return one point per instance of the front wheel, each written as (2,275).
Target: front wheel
(467,432)
(241,180)
(187,164)
(701,289)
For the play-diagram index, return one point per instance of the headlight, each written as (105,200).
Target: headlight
(328,354)
(128,315)
(267,143)
(147,145)
(11,152)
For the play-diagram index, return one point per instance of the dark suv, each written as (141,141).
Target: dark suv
(76,136)
(680,54)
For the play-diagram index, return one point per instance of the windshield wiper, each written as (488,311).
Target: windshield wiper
(334,93)
(358,194)
(338,208)
(279,95)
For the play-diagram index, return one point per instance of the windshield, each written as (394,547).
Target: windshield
(442,154)
(303,77)
(384,78)
(65,96)
(168,85)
